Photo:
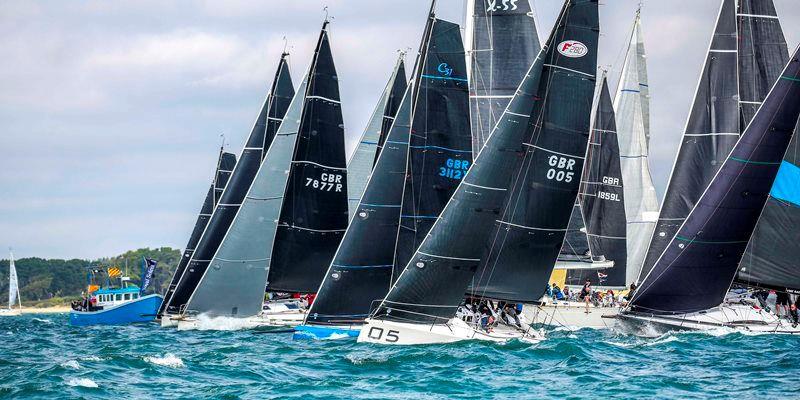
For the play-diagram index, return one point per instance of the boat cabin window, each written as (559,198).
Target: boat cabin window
(119,296)
(135,296)
(127,296)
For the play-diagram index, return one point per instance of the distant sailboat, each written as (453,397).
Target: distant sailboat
(13,290)
(507,218)
(225,165)
(745,57)
(687,285)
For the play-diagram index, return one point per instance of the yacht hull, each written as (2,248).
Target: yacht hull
(455,330)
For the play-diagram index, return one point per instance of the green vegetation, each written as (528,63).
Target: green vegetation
(48,282)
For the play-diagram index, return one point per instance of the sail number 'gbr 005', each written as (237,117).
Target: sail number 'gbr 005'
(562,169)
(326,183)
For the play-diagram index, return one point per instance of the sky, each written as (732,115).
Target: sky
(111,113)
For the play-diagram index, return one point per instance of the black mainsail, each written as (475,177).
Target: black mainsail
(258,142)
(225,165)
(602,199)
(746,55)
(696,269)
(502,42)
(440,148)
(361,270)
(551,107)
(314,212)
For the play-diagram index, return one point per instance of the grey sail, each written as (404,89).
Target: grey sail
(434,281)
(225,165)
(368,148)
(746,55)
(240,267)
(502,43)
(695,271)
(632,106)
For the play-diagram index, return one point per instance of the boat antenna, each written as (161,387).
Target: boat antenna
(285,46)
(328,17)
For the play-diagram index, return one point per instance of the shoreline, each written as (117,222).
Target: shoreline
(46,310)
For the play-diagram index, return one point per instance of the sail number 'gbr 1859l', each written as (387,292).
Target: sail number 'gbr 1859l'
(326,183)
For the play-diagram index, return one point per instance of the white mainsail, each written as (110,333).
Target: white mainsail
(632,105)
(13,284)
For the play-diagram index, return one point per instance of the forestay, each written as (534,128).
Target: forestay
(695,271)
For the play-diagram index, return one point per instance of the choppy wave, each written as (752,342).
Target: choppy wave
(54,360)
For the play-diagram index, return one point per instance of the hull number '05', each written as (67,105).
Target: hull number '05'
(376,333)
(562,169)
(327,182)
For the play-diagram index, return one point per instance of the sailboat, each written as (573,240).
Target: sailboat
(687,286)
(505,223)
(594,247)
(502,43)
(371,143)
(259,140)
(284,216)
(745,57)
(426,154)
(13,290)
(225,164)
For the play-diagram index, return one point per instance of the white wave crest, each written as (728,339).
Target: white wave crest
(82,382)
(71,364)
(168,360)
(205,323)
(91,358)
(360,359)
(44,321)
(662,340)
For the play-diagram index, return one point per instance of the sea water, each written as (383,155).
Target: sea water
(44,357)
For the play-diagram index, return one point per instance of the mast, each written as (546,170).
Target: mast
(433,282)
(747,48)
(227,208)
(239,267)
(371,142)
(696,269)
(314,212)
(632,105)
(225,164)
(503,43)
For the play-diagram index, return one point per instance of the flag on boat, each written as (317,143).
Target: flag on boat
(114,272)
(148,267)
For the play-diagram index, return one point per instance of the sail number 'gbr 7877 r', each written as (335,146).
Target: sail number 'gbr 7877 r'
(326,183)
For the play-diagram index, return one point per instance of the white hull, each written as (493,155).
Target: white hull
(455,330)
(570,314)
(167,321)
(737,318)
(14,312)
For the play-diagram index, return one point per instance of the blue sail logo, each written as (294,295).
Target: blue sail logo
(445,69)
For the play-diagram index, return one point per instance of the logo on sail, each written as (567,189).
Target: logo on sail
(492,5)
(445,69)
(573,49)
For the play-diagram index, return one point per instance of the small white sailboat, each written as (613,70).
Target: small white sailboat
(13,291)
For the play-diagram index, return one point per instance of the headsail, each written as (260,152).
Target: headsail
(225,165)
(602,199)
(440,149)
(632,105)
(361,271)
(239,269)
(696,269)
(233,195)
(434,281)
(745,58)
(369,146)
(313,215)
(13,283)
(502,42)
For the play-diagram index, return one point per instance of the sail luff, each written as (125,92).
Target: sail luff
(696,270)
(13,282)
